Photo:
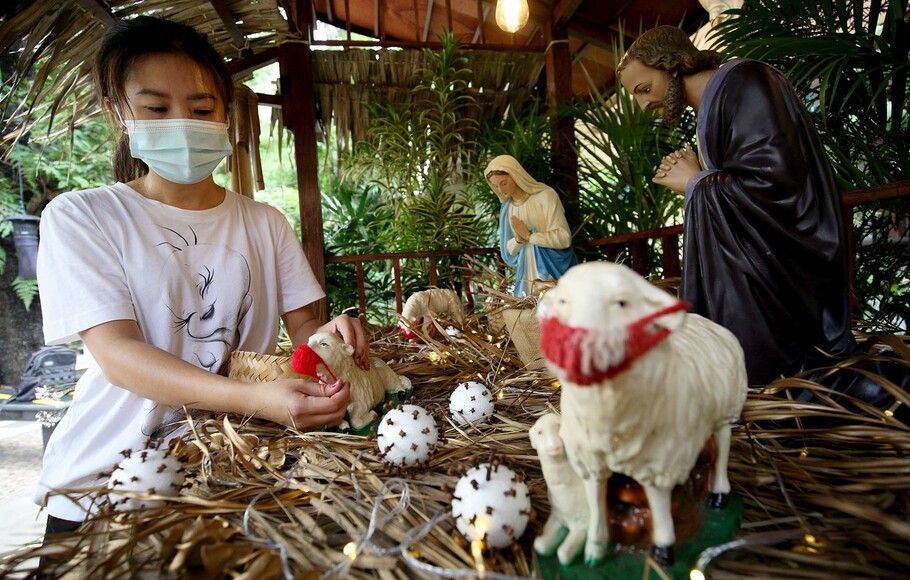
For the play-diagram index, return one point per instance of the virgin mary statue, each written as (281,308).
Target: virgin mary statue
(534,236)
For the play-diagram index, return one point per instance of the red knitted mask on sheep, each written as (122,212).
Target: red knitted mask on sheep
(589,356)
(306,362)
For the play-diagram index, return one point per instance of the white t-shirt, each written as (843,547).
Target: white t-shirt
(200,284)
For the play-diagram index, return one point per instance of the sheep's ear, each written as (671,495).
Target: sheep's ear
(348,349)
(671,321)
(658,299)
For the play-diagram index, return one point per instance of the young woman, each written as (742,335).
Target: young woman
(165,273)
(533,231)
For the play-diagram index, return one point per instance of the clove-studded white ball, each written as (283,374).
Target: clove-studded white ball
(407,435)
(471,402)
(491,504)
(148,471)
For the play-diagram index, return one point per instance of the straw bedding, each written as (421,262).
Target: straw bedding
(272,502)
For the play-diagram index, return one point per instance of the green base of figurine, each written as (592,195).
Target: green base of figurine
(718,527)
(381,408)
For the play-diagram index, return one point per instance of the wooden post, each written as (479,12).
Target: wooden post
(559,93)
(298,105)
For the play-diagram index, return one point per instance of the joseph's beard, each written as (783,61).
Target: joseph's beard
(673,103)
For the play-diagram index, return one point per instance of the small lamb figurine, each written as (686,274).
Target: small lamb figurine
(568,507)
(368,387)
(644,385)
(425,306)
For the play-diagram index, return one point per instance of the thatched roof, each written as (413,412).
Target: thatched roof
(49,46)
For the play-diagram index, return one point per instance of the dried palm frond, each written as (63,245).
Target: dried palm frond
(825,484)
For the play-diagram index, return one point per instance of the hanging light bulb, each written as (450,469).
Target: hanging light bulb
(511,15)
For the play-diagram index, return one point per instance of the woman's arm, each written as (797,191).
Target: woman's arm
(130,363)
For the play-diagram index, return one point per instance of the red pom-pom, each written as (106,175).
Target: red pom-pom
(306,362)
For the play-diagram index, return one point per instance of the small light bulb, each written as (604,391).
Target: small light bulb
(813,542)
(350,550)
(555,384)
(696,574)
(477,553)
(512,15)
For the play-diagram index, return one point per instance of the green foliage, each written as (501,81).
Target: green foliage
(49,164)
(619,147)
(9,205)
(618,151)
(418,154)
(355,222)
(850,59)
(418,163)
(26,290)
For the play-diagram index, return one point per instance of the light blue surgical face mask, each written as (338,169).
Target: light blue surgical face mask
(179,150)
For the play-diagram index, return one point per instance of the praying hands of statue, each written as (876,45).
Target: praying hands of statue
(676,169)
(522,233)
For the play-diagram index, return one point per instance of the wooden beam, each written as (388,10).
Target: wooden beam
(482,13)
(875,194)
(227,19)
(534,32)
(430,45)
(593,35)
(564,10)
(98,11)
(290,11)
(377,30)
(267,100)
(298,108)
(242,67)
(559,94)
(426,21)
(580,53)
(298,111)
(416,23)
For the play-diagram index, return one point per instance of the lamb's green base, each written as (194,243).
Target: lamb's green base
(718,526)
(381,408)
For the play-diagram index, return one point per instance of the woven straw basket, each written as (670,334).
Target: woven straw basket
(524,330)
(254,367)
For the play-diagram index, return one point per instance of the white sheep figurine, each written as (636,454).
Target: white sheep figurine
(644,385)
(423,307)
(368,386)
(568,506)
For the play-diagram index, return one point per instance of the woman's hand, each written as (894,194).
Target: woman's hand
(522,233)
(677,169)
(302,404)
(352,332)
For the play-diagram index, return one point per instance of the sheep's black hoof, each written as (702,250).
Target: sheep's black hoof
(347,430)
(716,501)
(663,555)
(402,395)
